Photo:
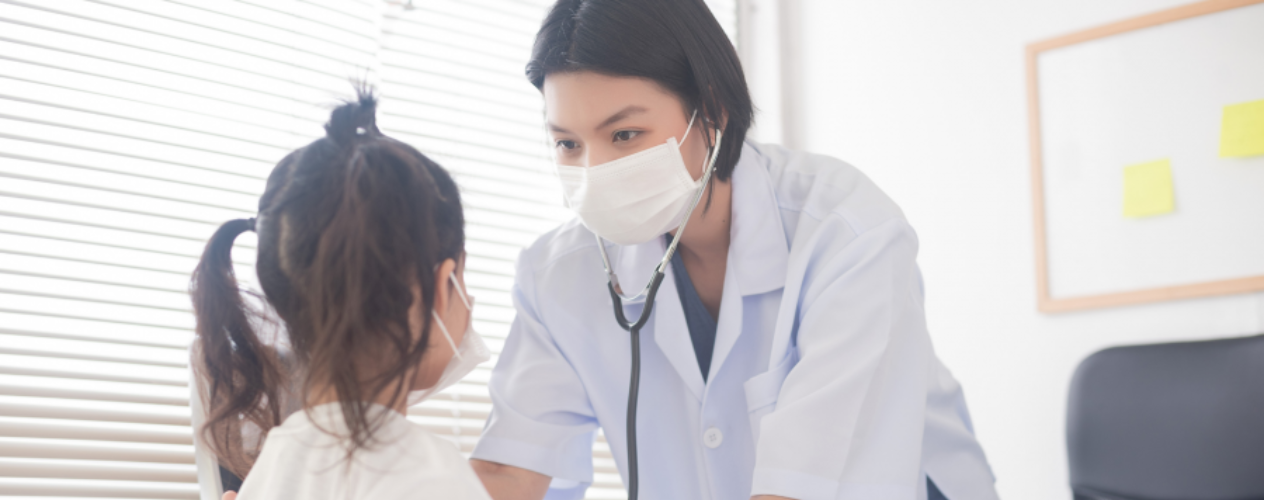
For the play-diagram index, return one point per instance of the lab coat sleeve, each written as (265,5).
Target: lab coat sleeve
(849,417)
(541,417)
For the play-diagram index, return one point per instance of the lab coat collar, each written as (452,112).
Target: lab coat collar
(671,334)
(758,251)
(758,247)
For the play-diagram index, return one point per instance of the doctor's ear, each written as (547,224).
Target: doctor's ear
(711,128)
(713,124)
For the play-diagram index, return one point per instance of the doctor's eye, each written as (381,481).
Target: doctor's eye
(625,135)
(567,145)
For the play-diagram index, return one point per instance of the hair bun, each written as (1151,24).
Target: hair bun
(354,118)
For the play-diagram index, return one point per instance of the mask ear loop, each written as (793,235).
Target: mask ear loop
(438,321)
(460,291)
(690,127)
(448,336)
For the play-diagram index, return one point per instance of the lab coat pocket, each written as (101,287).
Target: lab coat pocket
(762,390)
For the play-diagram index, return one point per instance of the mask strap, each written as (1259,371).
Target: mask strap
(439,321)
(464,300)
(455,351)
(687,129)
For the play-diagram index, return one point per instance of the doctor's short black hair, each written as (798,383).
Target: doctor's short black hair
(676,43)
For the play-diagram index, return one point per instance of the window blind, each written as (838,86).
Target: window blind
(129,129)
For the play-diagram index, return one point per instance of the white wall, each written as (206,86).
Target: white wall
(928,98)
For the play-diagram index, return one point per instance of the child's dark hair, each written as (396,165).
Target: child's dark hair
(347,226)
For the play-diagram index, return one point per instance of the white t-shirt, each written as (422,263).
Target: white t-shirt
(300,460)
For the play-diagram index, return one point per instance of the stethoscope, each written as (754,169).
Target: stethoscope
(650,290)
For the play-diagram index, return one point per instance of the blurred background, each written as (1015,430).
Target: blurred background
(130,129)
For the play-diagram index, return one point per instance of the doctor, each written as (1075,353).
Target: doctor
(786,354)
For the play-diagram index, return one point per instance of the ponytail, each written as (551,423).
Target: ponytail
(241,372)
(354,119)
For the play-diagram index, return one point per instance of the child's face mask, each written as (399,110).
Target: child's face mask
(465,357)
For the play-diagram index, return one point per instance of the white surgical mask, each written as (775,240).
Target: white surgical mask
(465,357)
(633,199)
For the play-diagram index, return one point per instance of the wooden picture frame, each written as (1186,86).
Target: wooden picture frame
(1046,302)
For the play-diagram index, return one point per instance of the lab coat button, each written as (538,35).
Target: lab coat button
(712,438)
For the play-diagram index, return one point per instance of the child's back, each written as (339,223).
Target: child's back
(299,460)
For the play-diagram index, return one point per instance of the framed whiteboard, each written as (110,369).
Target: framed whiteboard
(1144,90)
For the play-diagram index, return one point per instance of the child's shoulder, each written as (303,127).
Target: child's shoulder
(430,447)
(434,465)
(302,460)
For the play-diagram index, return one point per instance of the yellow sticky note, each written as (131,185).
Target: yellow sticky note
(1148,189)
(1242,130)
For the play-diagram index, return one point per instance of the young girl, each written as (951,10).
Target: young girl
(361,256)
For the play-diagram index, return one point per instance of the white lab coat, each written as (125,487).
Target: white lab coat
(823,383)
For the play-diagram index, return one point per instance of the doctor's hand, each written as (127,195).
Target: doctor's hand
(229,495)
(506,482)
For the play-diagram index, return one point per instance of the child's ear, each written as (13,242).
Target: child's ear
(443,285)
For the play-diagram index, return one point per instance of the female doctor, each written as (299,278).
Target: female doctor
(786,354)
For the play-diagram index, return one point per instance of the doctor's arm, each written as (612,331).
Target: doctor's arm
(542,422)
(849,416)
(506,482)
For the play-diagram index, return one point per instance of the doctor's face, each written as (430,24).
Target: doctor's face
(594,118)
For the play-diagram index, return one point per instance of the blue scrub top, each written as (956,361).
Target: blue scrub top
(699,320)
(822,383)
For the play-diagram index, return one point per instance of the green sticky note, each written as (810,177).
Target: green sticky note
(1242,130)
(1148,189)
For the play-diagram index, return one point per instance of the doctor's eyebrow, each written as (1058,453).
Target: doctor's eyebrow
(624,113)
(615,118)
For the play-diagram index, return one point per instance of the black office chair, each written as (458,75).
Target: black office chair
(229,480)
(1181,421)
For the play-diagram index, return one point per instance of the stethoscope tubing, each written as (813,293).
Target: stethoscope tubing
(634,386)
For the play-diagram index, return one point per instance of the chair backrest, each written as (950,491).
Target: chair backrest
(210,483)
(1169,421)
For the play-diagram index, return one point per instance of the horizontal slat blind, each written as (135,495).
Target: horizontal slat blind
(129,130)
